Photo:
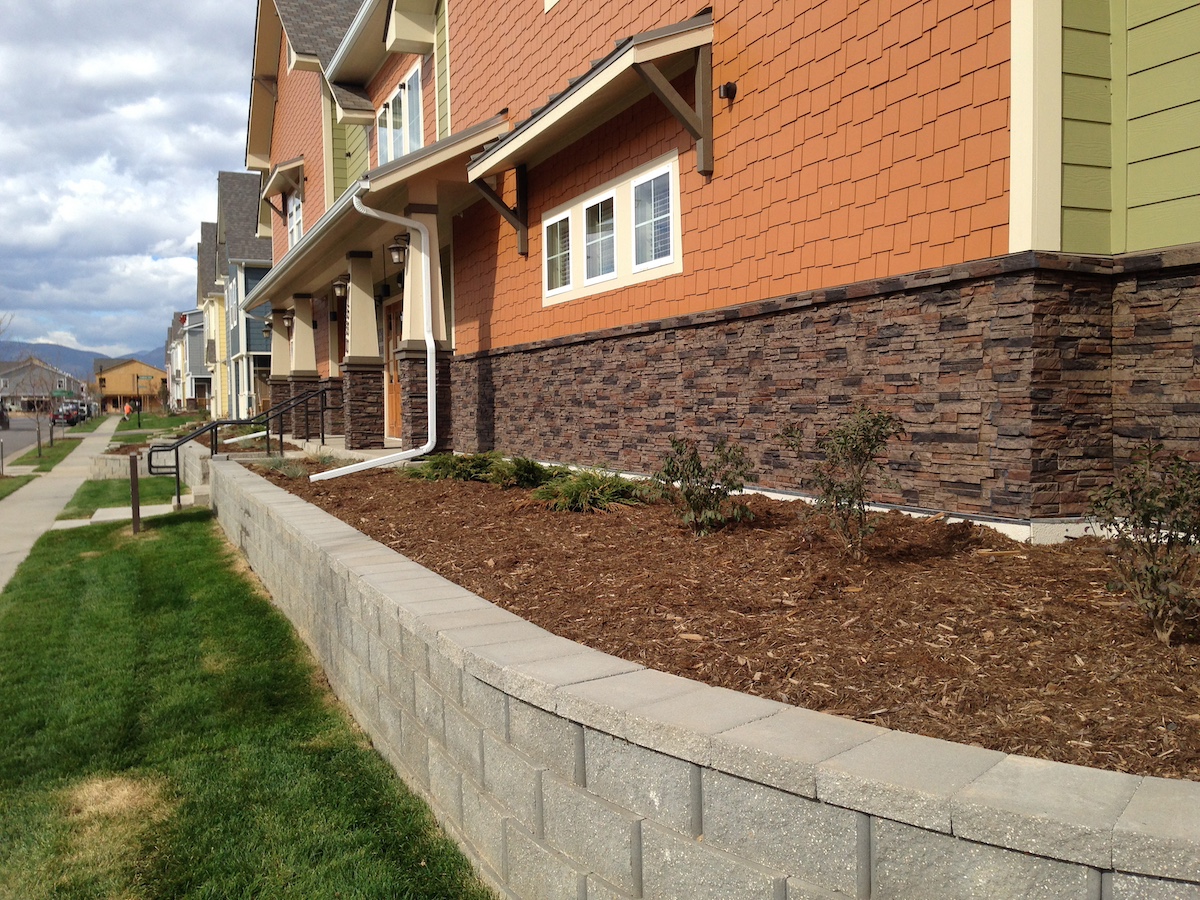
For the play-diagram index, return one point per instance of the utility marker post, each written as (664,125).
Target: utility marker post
(133,492)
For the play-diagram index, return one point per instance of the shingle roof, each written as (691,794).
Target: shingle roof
(206,261)
(237,205)
(316,27)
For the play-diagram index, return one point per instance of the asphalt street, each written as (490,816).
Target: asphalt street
(21,435)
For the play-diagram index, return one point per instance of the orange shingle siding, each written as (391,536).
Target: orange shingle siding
(297,131)
(867,139)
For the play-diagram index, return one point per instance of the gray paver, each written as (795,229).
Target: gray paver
(675,866)
(912,862)
(684,725)
(1050,808)
(783,750)
(1141,887)
(905,777)
(650,784)
(536,872)
(604,703)
(1159,831)
(802,837)
(597,835)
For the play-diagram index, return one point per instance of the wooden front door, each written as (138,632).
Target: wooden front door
(392,387)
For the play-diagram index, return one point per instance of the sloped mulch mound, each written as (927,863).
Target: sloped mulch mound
(946,630)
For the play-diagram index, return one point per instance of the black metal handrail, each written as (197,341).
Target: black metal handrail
(263,419)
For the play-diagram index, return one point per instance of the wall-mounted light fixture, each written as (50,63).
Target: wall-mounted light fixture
(727,91)
(398,248)
(288,317)
(267,328)
(340,285)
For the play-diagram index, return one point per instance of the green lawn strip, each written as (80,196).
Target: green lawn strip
(160,422)
(94,495)
(163,734)
(136,437)
(10,483)
(51,456)
(89,426)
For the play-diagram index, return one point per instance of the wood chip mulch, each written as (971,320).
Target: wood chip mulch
(946,630)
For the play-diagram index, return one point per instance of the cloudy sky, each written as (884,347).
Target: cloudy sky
(115,117)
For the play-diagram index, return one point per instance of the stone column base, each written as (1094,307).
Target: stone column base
(414,424)
(362,390)
(304,418)
(335,420)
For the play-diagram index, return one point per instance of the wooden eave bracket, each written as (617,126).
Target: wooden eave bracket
(275,209)
(518,216)
(697,121)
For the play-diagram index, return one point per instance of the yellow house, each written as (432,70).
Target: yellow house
(126,380)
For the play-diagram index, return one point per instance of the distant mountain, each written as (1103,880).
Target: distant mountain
(78,363)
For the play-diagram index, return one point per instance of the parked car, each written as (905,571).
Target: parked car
(67,414)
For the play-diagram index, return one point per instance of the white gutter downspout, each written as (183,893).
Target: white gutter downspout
(430,352)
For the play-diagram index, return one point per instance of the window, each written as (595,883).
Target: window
(630,233)
(295,219)
(652,220)
(599,238)
(558,254)
(398,124)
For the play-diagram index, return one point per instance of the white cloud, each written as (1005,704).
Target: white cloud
(114,121)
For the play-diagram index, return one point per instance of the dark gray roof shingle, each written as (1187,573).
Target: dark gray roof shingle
(237,208)
(206,261)
(316,27)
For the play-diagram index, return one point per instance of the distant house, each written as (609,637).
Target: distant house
(121,381)
(246,258)
(34,385)
(189,380)
(210,300)
(639,220)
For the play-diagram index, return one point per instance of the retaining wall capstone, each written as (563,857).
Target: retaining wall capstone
(563,772)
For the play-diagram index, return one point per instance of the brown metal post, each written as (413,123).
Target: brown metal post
(133,492)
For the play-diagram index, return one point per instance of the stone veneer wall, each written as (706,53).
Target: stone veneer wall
(564,772)
(1002,371)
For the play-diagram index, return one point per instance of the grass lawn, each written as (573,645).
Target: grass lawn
(10,483)
(159,423)
(164,735)
(94,495)
(51,456)
(89,426)
(135,438)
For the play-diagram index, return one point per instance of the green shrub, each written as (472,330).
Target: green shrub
(1152,509)
(701,492)
(522,472)
(443,466)
(289,468)
(847,469)
(587,491)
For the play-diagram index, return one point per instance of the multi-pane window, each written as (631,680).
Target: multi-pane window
(599,238)
(398,123)
(558,254)
(652,220)
(626,232)
(295,219)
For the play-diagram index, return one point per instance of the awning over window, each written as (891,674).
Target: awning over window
(638,66)
(287,177)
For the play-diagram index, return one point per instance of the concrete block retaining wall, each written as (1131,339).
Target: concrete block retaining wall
(563,772)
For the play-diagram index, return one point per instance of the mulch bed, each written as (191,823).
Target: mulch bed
(946,630)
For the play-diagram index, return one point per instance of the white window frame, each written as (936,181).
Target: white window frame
(627,273)
(294,206)
(591,203)
(546,226)
(672,198)
(407,101)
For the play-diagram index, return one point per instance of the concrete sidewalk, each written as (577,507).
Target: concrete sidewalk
(30,512)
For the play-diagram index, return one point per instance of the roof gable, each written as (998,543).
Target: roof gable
(237,217)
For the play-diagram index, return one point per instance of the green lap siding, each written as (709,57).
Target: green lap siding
(1163,131)
(1087,127)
